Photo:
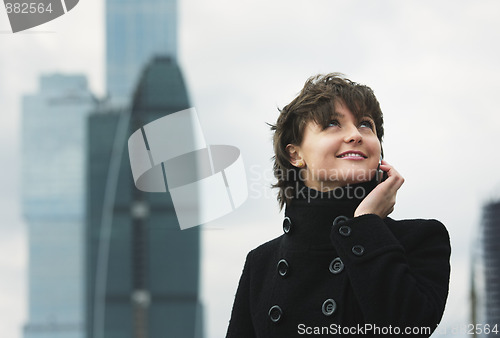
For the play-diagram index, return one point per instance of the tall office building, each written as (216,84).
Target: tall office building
(53,182)
(142,270)
(486,270)
(135,32)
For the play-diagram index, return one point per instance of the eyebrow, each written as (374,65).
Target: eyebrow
(341,116)
(335,114)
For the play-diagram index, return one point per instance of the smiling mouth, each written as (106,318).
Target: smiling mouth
(350,155)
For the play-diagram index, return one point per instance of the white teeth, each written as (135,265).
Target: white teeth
(351,155)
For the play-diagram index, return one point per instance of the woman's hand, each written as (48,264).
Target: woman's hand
(381,200)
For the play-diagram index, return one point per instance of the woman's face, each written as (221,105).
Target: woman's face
(346,152)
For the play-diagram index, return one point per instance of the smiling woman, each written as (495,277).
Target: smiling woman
(345,151)
(341,262)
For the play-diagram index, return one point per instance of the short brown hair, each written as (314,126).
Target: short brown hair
(316,103)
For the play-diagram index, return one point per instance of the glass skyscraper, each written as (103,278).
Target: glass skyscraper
(142,270)
(136,31)
(53,183)
(485,281)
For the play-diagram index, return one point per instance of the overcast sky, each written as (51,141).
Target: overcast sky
(433,66)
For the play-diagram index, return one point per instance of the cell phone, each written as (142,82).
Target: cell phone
(381,176)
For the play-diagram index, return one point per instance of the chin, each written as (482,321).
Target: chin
(353,176)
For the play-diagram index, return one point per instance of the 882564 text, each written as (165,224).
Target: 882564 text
(27,8)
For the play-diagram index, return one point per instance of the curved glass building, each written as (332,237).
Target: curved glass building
(142,270)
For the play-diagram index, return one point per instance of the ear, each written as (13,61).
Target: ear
(294,156)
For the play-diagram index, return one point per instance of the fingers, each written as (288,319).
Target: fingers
(382,199)
(393,174)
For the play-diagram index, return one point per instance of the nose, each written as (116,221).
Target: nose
(353,135)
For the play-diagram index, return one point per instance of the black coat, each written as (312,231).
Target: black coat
(329,275)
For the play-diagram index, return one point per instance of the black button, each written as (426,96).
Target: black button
(339,219)
(275,313)
(283,267)
(287,225)
(345,230)
(358,250)
(329,307)
(336,266)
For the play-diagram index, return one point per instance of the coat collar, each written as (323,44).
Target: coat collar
(311,214)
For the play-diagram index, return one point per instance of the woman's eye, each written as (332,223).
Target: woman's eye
(334,123)
(366,124)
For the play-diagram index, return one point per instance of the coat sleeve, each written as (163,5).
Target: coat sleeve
(240,324)
(395,284)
